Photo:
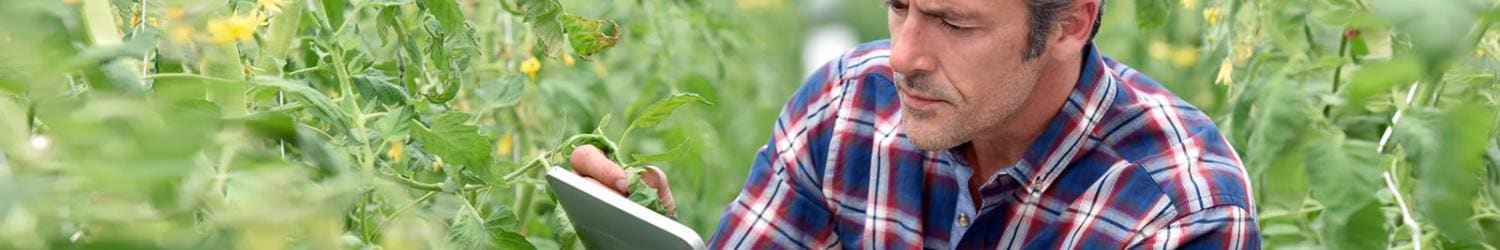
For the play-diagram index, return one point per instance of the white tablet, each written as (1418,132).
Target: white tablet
(606,220)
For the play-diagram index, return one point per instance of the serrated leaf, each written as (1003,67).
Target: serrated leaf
(501,92)
(543,15)
(664,108)
(374,85)
(457,142)
(396,123)
(589,36)
(467,230)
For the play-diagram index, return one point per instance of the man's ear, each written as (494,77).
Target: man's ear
(1075,27)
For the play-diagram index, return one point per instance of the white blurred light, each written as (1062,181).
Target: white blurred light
(825,43)
(40,142)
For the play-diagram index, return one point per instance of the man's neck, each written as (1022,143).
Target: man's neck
(1004,146)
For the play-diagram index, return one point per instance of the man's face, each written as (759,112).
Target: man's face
(959,67)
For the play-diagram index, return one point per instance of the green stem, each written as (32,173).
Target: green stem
(422,185)
(192,76)
(346,86)
(419,200)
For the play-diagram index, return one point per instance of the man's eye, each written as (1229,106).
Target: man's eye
(952,27)
(895,6)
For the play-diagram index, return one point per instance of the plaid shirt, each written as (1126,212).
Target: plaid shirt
(1125,164)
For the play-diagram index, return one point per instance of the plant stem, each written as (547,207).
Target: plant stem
(1416,229)
(419,200)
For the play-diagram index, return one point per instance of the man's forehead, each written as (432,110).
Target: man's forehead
(955,9)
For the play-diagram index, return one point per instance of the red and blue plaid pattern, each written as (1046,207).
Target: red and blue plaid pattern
(1125,164)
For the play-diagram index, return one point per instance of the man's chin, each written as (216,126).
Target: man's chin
(929,136)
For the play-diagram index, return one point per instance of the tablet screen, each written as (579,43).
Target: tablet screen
(606,220)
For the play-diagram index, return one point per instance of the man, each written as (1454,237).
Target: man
(984,124)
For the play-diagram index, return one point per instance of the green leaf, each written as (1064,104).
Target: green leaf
(451,137)
(671,154)
(1437,32)
(323,109)
(396,123)
(543,15)
(1345,176)
(1363,229)
(664,108)
(1450,171)
(447,13)
(1151,14)
(1379,78)
(375,85)
(511,240)
(501,92)
(380,3)
(643,194)
(566,235)
(589,36)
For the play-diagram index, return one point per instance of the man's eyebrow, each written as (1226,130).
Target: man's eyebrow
(945,12)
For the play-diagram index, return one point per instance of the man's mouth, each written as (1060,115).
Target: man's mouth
(919,102)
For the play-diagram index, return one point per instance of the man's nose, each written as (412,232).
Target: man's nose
(910,50)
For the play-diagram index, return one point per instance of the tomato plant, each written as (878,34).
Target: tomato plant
(416,124)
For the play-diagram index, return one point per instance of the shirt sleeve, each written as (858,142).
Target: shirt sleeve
(1220,227)
(782,205)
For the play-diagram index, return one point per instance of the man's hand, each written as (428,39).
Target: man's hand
(590,163)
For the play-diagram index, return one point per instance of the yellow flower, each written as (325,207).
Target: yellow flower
(1158,50)
(395,152)
(1213,14)
(180,34)
(568,60)
(233,29)
(437,163)
(1226,73)
(507,141)
(175,13)
(1189,4)
(531,66)
(1182,57)
(1242,51)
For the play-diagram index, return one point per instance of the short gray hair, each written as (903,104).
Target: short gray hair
(1040,16)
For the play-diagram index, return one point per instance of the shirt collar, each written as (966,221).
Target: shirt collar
(1066,137)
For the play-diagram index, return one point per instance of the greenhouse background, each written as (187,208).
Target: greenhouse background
(419,124)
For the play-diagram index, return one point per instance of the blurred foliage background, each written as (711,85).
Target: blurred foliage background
(271,124)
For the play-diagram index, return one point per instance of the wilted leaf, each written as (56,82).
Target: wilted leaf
(589,36)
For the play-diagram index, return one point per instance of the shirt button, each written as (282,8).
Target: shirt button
(963,220)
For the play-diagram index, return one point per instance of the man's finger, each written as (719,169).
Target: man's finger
(588,161)
(657,179)
(600,184)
